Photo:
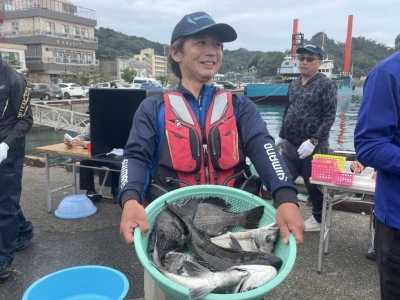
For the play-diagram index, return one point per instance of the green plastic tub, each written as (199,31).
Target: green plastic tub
(240,201)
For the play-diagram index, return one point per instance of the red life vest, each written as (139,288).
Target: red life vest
(191,156)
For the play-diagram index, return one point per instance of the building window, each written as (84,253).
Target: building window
(85,33)
(87,58)
(15,28)
(8,5)
(64,30)
(66,56)
(50,28)
(11,58)
(26,4)
(76,32)
(69,8)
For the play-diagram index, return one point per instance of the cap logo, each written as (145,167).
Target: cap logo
(189,19)
(203,17)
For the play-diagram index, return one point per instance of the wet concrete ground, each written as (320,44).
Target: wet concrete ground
(95,240)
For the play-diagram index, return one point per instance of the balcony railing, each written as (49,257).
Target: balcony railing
(36,32)
(54,5)
(61,60)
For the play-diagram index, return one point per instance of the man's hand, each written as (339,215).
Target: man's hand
(305,149)
(67,143)
(289,219)
(133,215)
(3,151)
(356,167)
(77,142)
(279,141)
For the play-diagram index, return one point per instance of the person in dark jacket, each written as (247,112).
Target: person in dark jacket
(377,144)
(155,156)
(86,173)
(307,119)
(15,122)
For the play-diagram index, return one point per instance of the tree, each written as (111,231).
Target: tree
(12,61)
(269,63)
(365,53)
(128,74)
(164,79)
(87,76)
(397,43)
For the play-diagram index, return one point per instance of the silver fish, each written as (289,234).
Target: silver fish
(212,256)
(259,275)
(213,217)
(255,240)
(202,281)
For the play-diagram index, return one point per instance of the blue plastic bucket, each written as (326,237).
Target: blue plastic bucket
(80,283)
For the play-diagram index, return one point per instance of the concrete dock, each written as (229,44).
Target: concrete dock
(95,240)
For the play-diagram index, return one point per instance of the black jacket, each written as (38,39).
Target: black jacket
(15,111)
(310,111)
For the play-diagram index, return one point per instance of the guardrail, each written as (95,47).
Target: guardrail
(59,118)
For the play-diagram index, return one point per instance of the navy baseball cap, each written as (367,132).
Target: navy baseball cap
(200,21)
(311,49)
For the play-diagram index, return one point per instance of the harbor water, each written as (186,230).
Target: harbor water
(42,136)
(341,134)
(342,131)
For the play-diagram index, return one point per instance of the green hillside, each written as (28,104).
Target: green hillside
(366,53)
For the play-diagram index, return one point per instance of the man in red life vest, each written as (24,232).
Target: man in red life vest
(173,133)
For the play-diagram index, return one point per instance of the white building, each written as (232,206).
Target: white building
(59,36)
(156,65)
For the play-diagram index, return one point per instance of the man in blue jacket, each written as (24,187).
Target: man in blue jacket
(173,134)
(377,143)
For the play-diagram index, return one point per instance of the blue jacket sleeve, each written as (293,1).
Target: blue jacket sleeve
(376,136)
(139,153)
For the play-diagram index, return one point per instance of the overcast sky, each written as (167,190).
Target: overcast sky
(262,25)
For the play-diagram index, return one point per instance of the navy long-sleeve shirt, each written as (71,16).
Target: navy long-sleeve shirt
(144,145)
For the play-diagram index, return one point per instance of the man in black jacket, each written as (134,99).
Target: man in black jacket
(307,119)
(15,122)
